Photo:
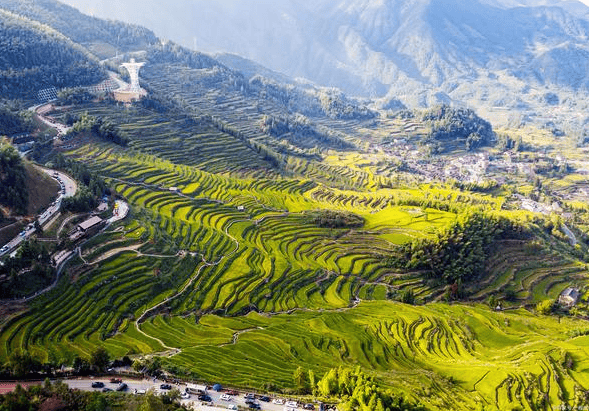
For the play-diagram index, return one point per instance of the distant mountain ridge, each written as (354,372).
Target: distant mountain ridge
(505,53)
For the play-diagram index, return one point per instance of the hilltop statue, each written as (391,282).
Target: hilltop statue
(133,68)
(133,91)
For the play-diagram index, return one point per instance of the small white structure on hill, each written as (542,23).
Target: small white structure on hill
(133,68)
(569,297)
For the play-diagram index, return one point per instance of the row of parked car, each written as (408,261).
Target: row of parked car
(120,387)
(251,399)
(61,184)
(289,405)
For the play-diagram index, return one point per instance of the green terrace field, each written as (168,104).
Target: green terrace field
(461,357)
(187,250)
(240,261)
(448,356)
(268,256)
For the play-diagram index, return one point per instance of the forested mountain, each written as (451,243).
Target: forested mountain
(82,28)
(504,53)
(34,56)
(13,119)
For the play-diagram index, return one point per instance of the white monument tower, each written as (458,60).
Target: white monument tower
(133,69)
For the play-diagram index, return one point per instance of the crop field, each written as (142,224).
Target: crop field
(450,357)
(532,274)
(231,265)
(265,247)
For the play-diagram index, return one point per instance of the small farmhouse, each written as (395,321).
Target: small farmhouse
(89,224)
(569,297)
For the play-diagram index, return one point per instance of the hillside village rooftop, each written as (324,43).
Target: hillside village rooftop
(88,224)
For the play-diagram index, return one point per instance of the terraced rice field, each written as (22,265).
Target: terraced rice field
(221,266)
(533,275)
(463,357)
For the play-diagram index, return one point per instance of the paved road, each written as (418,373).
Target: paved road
(86,385)
(41,110)
(68,188)
(69,184)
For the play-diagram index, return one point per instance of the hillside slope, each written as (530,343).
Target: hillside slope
(35,56)
(24,189)
(269,228)
(82,28)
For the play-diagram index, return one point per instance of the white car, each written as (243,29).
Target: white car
(289,409)
(225,397)
(292,404)
(185,396)
(232,407)
(278,401)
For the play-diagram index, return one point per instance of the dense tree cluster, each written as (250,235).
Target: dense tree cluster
(83,200)
(359,391)
(155,102)
(82,28)
(172,53)
(299,131)
(25,365)
(458,254)
(335,219)
(26,273)
(34,57)
(451,124)
(90,189)
(505,142)
(311,102)
(545,307)
(73,95)
(13,180)
(336,105)
(101,128)
(14,120)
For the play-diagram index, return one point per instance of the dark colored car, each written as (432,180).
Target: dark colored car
(255,406)
(116,380)
(250,401)
(309,406)
(264,398)
(122,387)
(205,398)
(231,392)
(165,387)
(106,389)
(97,384)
